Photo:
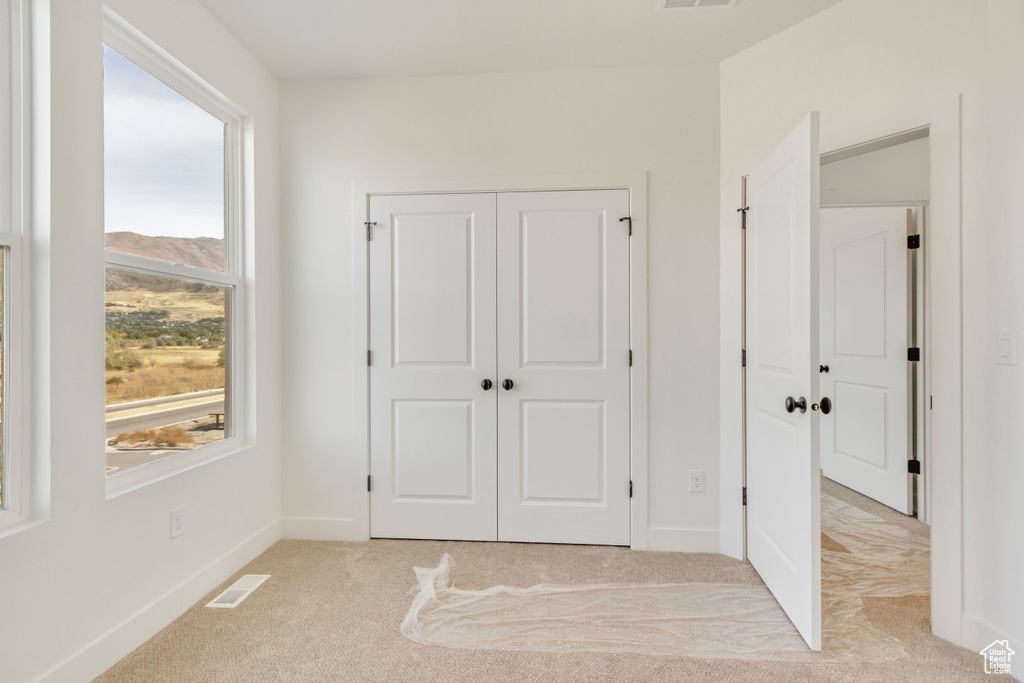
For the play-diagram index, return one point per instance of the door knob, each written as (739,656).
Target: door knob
(825,406)
(508,384)
(486,384)
(792,404)
(822,368)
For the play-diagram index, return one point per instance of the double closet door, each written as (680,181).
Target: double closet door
(499,381)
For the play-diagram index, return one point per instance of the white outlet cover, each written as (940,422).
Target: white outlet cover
(177,521)
(696,481)
(1006,348)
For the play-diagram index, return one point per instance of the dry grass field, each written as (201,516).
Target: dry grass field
(179,305)
(166,371)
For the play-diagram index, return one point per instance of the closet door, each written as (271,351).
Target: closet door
(563,354)
(433,427)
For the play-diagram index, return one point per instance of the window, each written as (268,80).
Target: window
(173,257)
(14,462)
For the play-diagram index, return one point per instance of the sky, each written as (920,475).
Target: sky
(164,157)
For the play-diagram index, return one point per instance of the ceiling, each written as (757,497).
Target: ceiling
(321,39)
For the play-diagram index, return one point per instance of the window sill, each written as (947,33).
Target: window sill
(9,526)
(144,475)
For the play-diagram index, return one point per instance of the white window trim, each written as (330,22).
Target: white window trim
(133,45)
(22,492)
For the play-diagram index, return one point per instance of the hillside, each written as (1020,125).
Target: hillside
(201,252)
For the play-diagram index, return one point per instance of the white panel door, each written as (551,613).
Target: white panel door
(864,340)
(563,347)
(783,475)
(433,427)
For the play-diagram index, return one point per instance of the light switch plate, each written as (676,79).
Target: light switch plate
(1006,348)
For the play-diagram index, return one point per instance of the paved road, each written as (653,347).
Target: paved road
(195,408)
(162,418)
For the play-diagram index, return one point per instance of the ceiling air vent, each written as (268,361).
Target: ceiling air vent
(696,4)
(238,591)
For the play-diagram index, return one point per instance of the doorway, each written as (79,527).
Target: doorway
(873,354)
(873,232)
(499,366)
(865,280)
(872,351)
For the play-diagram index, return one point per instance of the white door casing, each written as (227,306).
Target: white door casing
(433,428)
(563,340)
(782,290)
(865,333)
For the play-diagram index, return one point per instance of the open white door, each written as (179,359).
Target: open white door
(865,442)
(433,424)
(783,475)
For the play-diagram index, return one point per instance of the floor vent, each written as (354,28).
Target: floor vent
(696,4)
(238,591)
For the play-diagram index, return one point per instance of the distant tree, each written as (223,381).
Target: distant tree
(119,356)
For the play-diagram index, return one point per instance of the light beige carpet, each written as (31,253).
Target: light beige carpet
(331,612)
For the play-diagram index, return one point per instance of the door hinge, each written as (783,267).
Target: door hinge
(913,241)
(369,358)
(743,211)
(368,224)
(913,353)
(914,466)
(744,358)
(629,223)
(744,495)
(630,488)
(631,358)
(368,483)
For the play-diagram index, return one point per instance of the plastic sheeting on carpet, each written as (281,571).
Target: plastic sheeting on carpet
(708,620)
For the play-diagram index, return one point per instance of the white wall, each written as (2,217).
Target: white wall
(663,120)
(994,450)
(873,68)
(81,590)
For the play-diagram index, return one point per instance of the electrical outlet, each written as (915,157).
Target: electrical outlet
(177,521)
(696,481)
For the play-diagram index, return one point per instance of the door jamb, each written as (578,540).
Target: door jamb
(633,181)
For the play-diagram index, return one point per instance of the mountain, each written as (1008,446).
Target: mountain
(201,252)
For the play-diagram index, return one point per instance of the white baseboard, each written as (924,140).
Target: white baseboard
(323,529)
(111,647)
(978,634)
(683,540)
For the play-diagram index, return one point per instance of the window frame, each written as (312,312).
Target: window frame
(147,55)
(17,466)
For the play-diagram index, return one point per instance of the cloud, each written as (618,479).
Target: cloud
(163,155)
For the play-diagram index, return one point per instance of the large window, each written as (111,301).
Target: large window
(172,259)
(13,139)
